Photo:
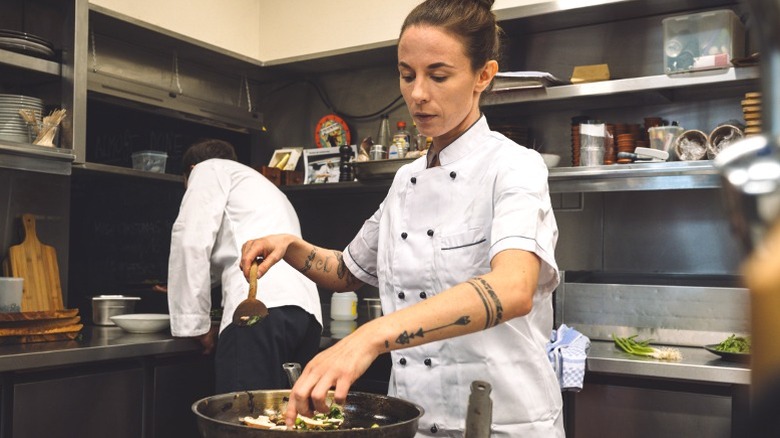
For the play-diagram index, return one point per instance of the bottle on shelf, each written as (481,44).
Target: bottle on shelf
(417,142)
(384,138)
(401,141)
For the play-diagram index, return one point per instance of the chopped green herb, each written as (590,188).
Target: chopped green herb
(734,344)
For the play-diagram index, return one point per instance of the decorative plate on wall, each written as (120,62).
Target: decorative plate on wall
(332,131)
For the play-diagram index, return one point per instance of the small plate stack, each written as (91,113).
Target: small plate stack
(22,42)
(751,108)
(12,125)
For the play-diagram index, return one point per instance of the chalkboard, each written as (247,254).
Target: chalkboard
(114,132)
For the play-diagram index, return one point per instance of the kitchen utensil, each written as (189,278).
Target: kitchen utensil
(480,411)
(250,307)
(48,128)
(106,306)
(142,322)
(218,416)
(293,371)
(37,264)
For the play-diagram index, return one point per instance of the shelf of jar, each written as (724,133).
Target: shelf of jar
(651,88)
(28,157)
(111,170)
(677,175)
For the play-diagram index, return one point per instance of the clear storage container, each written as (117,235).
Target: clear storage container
(150,161)
(702,41)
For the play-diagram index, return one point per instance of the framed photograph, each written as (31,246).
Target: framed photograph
(322,165)
(286,159)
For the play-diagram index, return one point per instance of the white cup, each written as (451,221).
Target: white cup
(11,294)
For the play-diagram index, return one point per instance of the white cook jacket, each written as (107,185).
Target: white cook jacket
(227,203)
(441,226)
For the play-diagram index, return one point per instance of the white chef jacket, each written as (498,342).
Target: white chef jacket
(441,226)
(226,204)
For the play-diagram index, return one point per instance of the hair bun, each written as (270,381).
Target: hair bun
(486,3)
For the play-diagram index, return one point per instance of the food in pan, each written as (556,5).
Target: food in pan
(272,419)
(642,348)
(734,344)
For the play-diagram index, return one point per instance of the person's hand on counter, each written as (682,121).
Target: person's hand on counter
(208,340)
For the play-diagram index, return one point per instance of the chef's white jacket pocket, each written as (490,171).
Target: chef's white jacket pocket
(463,252)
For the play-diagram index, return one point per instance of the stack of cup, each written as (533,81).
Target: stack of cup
(592,141)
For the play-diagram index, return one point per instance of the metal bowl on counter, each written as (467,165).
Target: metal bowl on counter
(106,306)
(218,416)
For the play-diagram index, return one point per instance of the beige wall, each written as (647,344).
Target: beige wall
(272,31)
(228,24)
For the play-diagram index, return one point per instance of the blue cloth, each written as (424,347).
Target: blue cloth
(568,351)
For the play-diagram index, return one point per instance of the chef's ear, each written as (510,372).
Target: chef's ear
(486,75)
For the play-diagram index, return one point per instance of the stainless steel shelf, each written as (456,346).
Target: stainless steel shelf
(713,78)
(125,171)
(23,156)
(29,63)
(677,175)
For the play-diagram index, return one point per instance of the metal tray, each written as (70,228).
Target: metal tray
(378,169)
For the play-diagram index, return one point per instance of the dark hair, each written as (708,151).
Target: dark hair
(205,149)
(472,21)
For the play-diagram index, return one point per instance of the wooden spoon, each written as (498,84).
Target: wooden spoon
(251,310)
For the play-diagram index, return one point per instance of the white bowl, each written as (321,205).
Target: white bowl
(551,160)
(142,322)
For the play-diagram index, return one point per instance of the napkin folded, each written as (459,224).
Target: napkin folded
(568,351)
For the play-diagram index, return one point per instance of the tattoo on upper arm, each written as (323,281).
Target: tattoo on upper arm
(494,311)
(342,271)
(406,337)
(309,259)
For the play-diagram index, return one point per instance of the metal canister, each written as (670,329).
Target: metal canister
(377,152)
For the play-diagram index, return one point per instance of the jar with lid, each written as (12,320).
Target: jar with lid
(343,306)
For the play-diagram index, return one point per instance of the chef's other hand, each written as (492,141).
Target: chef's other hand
(208,340)
(338,366)
(270,248)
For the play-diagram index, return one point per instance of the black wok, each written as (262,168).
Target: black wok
(218,416)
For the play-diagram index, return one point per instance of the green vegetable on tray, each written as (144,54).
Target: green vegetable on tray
(642,348)
(734,344)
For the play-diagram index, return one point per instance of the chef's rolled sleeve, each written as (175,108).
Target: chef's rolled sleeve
(523,215)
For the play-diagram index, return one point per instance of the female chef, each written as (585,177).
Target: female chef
(462,250)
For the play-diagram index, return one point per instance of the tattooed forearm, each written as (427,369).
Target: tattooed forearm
(494,311)
(406,337)
(309,259)
(322,265)
(342,271)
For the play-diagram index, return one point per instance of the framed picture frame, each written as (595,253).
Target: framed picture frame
(322,165)
(287,158)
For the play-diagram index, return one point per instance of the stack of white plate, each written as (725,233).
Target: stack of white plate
(12,125)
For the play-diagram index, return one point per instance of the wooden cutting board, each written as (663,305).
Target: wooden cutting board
(37,264)
(47,335)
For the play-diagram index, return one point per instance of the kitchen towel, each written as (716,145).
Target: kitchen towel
(568,351)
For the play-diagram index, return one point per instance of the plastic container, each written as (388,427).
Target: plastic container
(702,41)
(150,161)
(11,289)
(343,306)
(662,138)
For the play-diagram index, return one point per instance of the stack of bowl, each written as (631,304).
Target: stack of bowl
(751,109)
(12,125)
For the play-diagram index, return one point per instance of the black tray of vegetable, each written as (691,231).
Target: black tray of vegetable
(734,348)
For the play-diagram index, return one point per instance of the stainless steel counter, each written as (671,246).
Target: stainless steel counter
(697,364)
(96,344)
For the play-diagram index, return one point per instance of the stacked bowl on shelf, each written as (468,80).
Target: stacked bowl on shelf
(751,109)
(12,126)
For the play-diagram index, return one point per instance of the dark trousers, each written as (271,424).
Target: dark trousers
(251,357)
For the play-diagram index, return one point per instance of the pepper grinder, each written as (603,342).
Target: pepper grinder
(345,168)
